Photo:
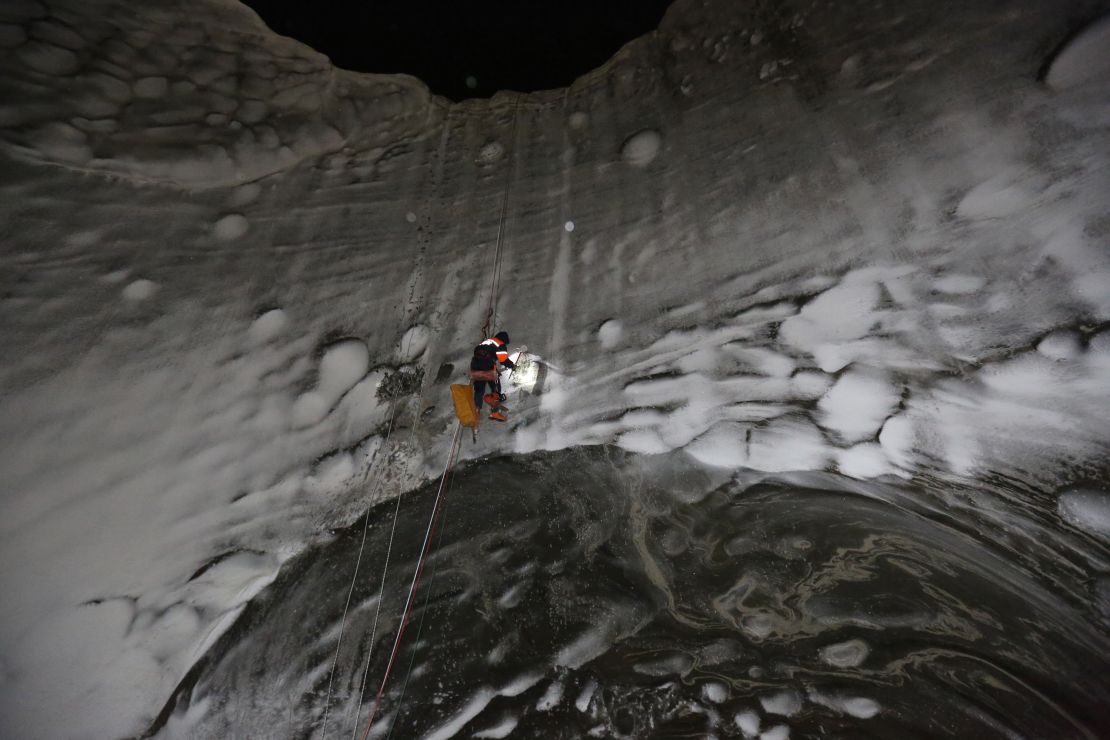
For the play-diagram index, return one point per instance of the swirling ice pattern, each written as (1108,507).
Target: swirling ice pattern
(591,592)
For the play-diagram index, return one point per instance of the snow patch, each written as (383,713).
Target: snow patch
(551,697)
(413,343)
(748,723)
(958,284)
(642,148)
(854,706)
(140,290)
(847,654)
(231,226)
(610,333)
(1085,60)
(785,703)
(267,327)
(778,732)
(857,404)
(504,728)
(714,691)
(863,461)
(342,365)
(1061,345)
(582,702)
(1088,510)
(781,445)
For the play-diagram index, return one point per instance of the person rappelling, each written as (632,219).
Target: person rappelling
(484,369)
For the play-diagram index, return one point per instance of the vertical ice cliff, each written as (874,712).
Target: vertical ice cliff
(781,236)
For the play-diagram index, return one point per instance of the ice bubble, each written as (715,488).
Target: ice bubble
(1084,60)
(858,706)
(1060,345)
(642,441)
(1002,195)
(609,334)
(231,226)
(848,654)
(140,290)
(785,703)
(642,148)
(1086,509)
(267,326)
(748,722)
(151,87)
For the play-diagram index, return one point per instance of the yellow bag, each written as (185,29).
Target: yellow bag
(463,396)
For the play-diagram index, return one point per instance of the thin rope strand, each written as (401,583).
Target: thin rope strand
(381,592)
(406,614)
(351,590)
(496,278)
(420,625)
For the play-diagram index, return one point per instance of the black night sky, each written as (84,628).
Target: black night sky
(523,45)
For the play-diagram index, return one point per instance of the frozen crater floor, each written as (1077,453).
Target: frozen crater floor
(862,251)
(596,593)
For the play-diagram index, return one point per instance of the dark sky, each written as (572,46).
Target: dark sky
(523,45)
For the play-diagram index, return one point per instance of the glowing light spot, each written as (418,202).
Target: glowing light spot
(569,226)
(471,81)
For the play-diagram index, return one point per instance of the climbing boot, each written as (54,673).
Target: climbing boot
(498,416)
(492,399)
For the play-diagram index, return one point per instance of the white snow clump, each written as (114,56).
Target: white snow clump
(641,149)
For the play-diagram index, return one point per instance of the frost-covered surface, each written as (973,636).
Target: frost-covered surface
(813,238)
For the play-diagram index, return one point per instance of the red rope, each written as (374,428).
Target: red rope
(407,615)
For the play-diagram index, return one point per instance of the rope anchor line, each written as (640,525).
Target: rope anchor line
(444,482)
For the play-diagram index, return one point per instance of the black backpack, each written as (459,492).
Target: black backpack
(485,358)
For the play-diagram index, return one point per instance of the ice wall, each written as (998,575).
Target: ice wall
(809,237)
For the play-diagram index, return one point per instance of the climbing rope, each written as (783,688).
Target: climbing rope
(381,590)
(437,507)
(354,580)
(496,277)
(421,560)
